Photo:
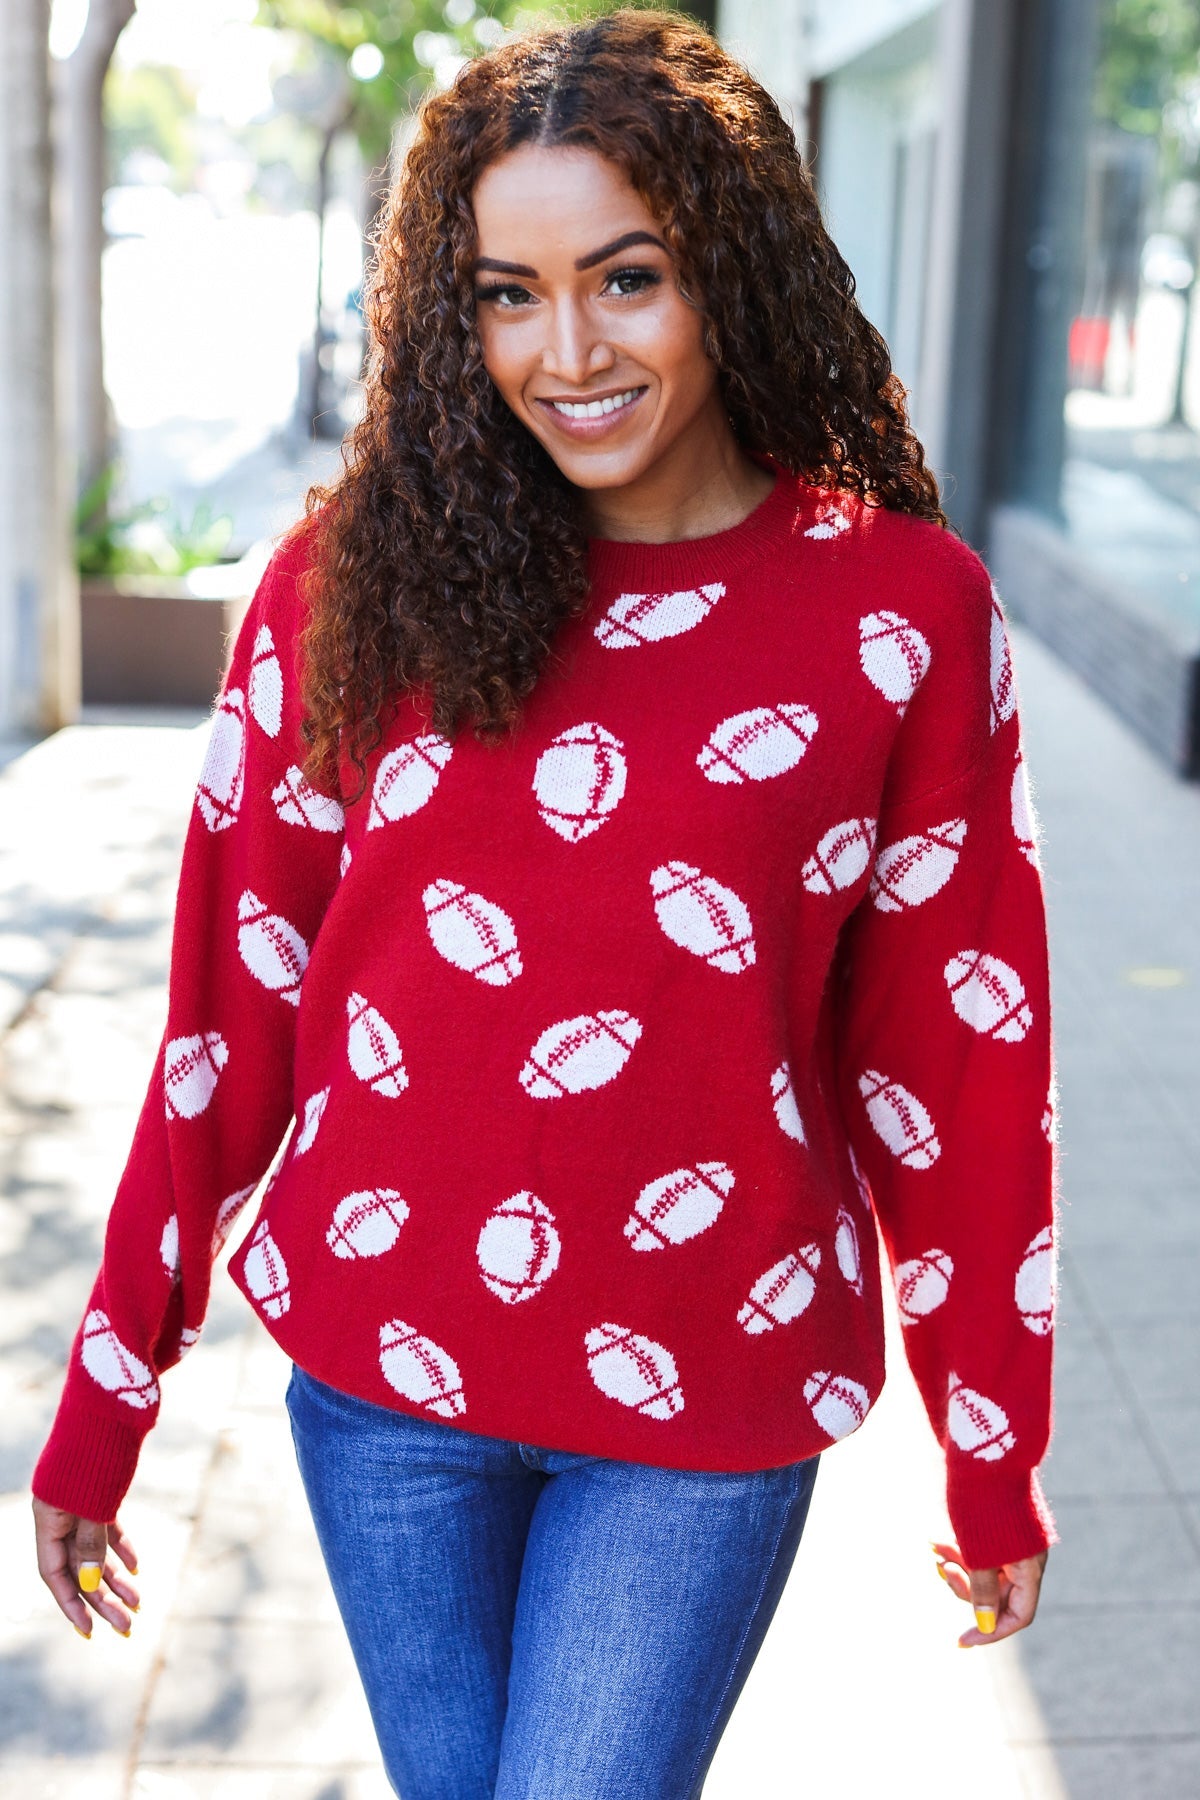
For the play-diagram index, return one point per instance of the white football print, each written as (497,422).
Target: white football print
(634,1370)
(702,916)
(988,995)
(227,1212)
(782,1293)
(976,1424)
(187,1337)
(1023,820)
(914,869)
(648,618)
(421,1370)
(577,1054)
(579,780)
(842,857)
(366,1223)
(846,1249)
(374,1049)
(1037,1283)
(266,683)
(518,1247)
(191,1066)
(406,778)
(678,1206)
(116,1368)
(266,1273)
(168,1247)
(223,775)
(922,1284)
(297,802)
(1004,693)
(757,745)
(344,859)
(314,1112)
(838,1404)
(900,1120)
(831,523)
(272,950)
(783,1097)
(472,933)
(894,655)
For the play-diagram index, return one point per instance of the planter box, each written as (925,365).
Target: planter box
(160,640)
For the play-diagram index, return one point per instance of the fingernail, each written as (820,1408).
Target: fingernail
(82,1632)
(135,1608)
(89,1576)
(941,1569)
(133,1568)
(128,1633)
(985,1618)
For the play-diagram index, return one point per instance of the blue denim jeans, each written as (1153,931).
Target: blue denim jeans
(538,1624)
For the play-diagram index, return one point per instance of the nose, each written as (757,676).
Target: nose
(574,349)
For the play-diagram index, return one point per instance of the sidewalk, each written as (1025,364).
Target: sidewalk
(236,1683)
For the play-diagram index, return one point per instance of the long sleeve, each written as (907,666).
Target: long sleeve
(260,864)
(945,1075)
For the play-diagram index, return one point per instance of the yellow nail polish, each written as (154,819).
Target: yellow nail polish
(135,1609)
(89,1576)
(82,1632)
(941,1569)
(128,1633)
(985,1618)
(133,1568)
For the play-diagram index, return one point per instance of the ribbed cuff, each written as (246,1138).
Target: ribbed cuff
(88,1462)
(998,1516)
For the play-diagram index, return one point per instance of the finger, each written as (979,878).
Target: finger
(985,1598)
(107,1609)
(91,1552)
(1018,1605)
(118,1541)
(67,1595)
(118,1585)
(950,1567)
(53,1529)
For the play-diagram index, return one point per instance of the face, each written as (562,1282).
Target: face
(583,328)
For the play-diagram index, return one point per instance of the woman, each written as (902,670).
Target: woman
(613,856)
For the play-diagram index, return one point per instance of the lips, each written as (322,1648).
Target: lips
(593,417)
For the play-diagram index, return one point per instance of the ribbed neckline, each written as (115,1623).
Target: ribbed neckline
(685,562)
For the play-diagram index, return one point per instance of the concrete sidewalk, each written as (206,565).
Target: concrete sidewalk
(236,1681)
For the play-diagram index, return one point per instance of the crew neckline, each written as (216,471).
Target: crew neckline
(683,562)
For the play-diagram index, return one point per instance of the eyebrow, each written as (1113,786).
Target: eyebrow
(583,262)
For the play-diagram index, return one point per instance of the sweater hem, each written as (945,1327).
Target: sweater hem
(999,1521)
(88,1463)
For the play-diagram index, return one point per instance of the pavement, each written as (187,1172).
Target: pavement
(236,1683)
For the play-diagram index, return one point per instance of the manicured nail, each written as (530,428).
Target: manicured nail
(135,1608)
(89,1576)
(82,1632)
(133,1568)
(985,1618)
(128,1633)
(941,1569)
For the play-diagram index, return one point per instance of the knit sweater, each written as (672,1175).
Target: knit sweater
(586,1065)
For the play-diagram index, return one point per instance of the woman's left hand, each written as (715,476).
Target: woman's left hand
(1005,1598)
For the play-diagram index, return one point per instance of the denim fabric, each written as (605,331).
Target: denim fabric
(536,1624)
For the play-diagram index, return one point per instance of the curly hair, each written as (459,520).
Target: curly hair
(450,548)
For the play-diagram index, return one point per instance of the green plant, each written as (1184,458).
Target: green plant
(151,538)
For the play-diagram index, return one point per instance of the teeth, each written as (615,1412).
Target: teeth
(594,409)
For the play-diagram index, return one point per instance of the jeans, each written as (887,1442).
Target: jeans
(535,1624)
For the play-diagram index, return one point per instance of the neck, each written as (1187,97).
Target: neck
(703,484)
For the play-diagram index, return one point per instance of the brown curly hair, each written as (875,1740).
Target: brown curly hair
(450,548)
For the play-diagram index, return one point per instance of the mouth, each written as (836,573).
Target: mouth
(594,417)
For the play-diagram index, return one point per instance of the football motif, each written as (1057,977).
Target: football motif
(420,1370)
(266,683)
(223,775)
(678,1206)
(227,1212)
(976,1424)
(344,859)
(783,1096)
(314,1112)
(842,857)
(845,1248)
(187,1337)
(1036,1284)
(406,778)
(168,1247)
(266,1273)
(860,1180)
(518,1247)
(579,780)
(367,1223)
(272,950)
(374,1049)
(1024,828)
(914,869)
(648,618)
(472,933)
(299,803)
(191,1066)
(831,523)
(756,745)
(894,655)
(782,1294)
(634,1370)
(838,1404)
(117,1369)
(700,915)
(900,1120)
(1004,692)
(922,1284)
(578,1054)
(988,995)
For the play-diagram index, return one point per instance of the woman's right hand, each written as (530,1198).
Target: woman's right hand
(74,1563)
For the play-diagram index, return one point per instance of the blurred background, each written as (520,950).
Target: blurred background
(186,189)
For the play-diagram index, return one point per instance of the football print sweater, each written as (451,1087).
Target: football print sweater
(585,1067)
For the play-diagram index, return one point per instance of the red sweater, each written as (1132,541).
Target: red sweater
(600,1050)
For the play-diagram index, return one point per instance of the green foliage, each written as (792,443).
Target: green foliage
(1148,72)
(151,538)
(151,108)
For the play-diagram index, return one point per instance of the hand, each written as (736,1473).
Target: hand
(1008,1595)
(73,1561)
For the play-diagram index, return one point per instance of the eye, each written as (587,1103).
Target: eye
(504,295)
(633,281)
